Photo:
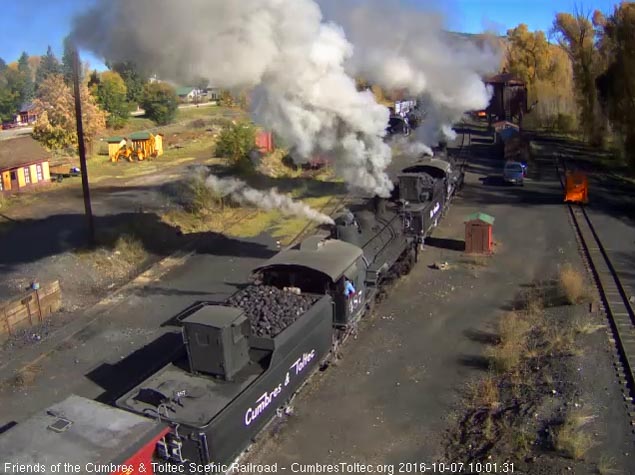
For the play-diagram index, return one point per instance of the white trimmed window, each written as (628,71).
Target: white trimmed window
(38,169)
(27,175)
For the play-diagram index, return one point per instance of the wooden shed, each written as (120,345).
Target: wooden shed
(24,163)
(479,237)
(151,145)
(114,145)
(509,99)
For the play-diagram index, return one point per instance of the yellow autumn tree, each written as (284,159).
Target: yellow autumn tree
(576,35)
(55,107)
(546,70)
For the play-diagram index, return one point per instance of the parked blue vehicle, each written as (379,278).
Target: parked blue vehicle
(514,173)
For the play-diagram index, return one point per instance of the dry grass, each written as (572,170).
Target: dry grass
(586,325)
(535,309)
(572,284)
(118,254)
(484,393)
(489,428)
(521,441)
(560,339)
(273,165)
(513,330)
(129,249)
(606,466)
(570,439)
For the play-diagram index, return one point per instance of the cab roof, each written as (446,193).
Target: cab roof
(331,257)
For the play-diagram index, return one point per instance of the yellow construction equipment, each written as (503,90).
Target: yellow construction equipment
(144,146)
(128,153)
(576,188)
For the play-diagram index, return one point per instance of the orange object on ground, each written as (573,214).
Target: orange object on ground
(576,188)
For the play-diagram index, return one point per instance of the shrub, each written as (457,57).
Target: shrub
(570,440)
(572,284)
(507,355)
(236,142)
(160,102)
(200,198)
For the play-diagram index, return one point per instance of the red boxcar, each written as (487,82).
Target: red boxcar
(87,435)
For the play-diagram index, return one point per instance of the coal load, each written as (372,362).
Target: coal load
(270,309)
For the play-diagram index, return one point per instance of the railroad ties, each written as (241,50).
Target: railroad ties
(614,301)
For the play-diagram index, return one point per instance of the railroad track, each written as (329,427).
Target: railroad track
(613,297)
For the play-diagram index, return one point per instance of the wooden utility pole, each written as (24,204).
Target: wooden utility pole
(82,148)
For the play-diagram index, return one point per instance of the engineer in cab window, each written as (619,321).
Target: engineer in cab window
(349,288)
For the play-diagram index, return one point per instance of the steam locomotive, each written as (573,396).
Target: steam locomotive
(242,362)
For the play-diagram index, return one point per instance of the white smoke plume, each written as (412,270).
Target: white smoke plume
(281,48)
(270,199)
(410,149)
(408,49)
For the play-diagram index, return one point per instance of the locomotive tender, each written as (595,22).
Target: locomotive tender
(238,369)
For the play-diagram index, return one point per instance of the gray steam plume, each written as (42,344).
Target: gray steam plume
(282,48)
(406,48)
(242,193)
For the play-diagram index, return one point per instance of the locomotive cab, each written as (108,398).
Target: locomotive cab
(323,266)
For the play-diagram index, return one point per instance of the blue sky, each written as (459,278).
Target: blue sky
(477,15)
(31,25)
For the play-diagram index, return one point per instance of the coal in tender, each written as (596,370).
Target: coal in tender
(270,309)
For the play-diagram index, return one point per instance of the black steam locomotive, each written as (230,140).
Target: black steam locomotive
(241,362)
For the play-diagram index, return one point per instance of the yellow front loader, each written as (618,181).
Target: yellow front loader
(128,153)
(144,146)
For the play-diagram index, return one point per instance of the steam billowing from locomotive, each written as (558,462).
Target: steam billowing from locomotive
(270,199)
(300,67)
(281,48)
(403,48)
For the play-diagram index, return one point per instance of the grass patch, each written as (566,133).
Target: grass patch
(484,393)
(507,355)
(606,466)
(570,439)
(203,210)
(521,442)
(586,326)
(572,284)
(119,252)
(277,165)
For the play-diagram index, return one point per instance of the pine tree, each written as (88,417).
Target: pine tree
(28,87)
(3,65)
(48,65)
(135,81)
(67,61)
